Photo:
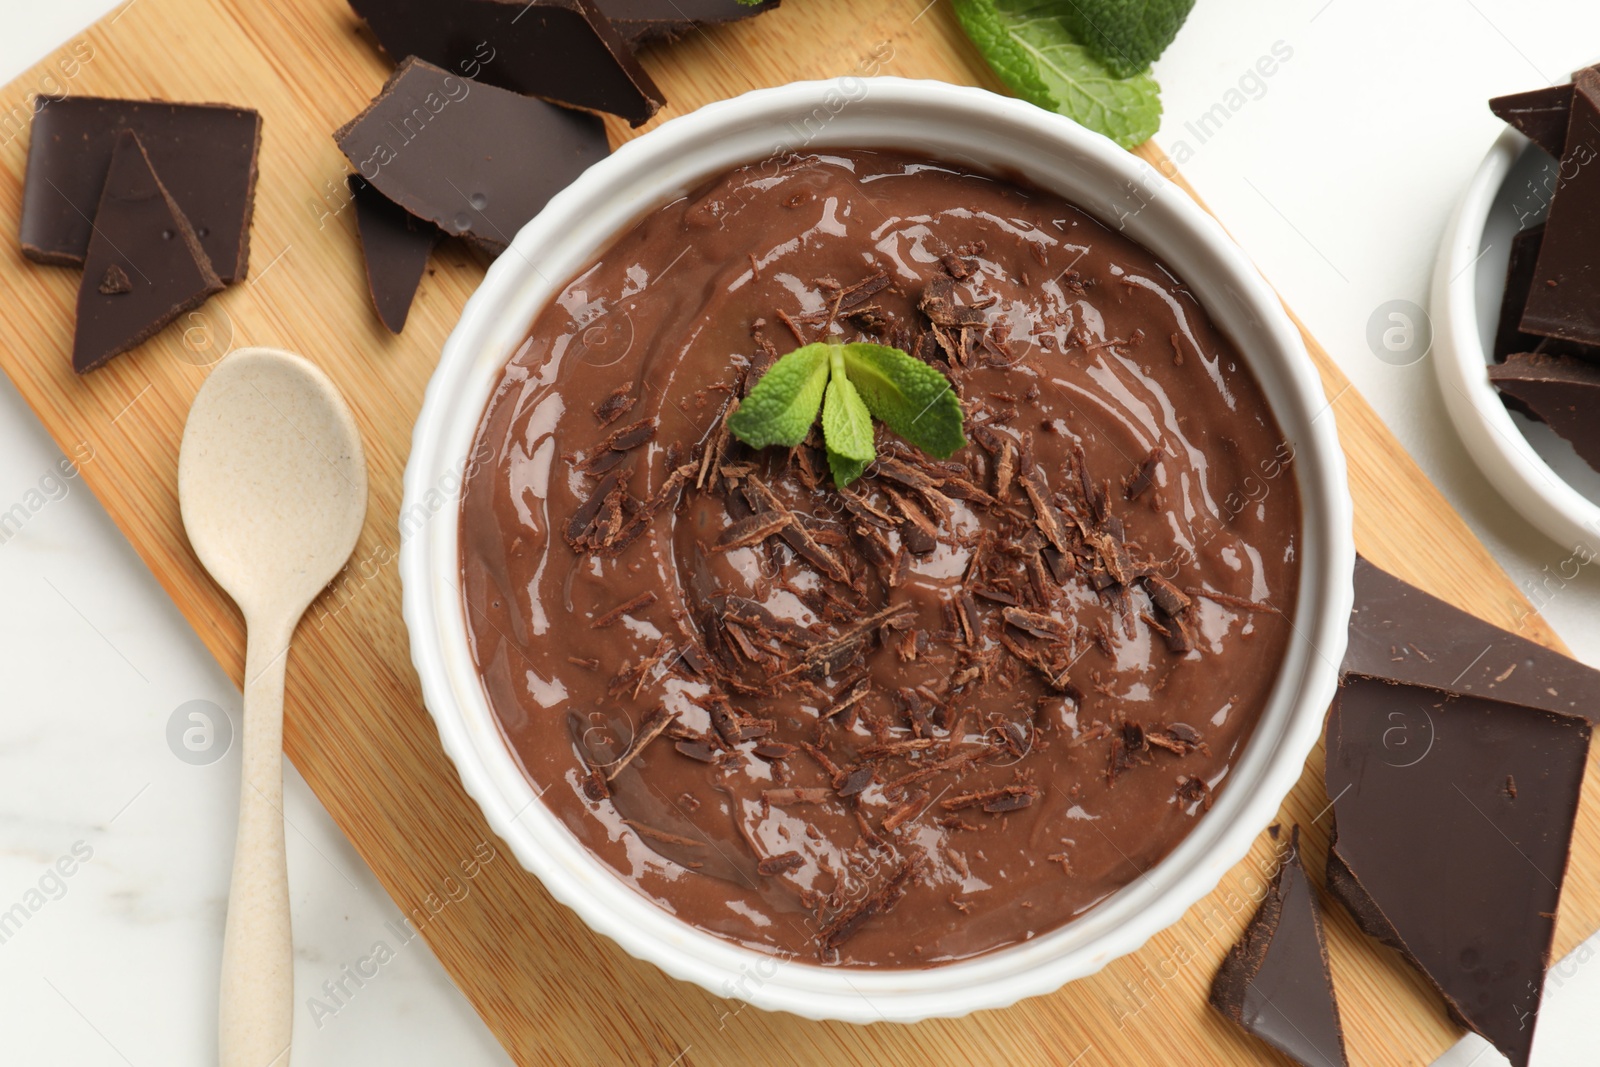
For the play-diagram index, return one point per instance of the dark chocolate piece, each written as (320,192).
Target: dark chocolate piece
(1435,856)
(642,21)
(1275,981)
(144,267)
(562,50)
(395,245)
(1508,337)
(1540,115)
(205,155)
(1559,391)
(1402,634)
(476,160)
(1564,300)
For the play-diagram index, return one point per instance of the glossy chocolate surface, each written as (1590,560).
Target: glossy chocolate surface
(950,709)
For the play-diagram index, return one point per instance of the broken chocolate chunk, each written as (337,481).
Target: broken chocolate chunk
(1275,981)
(1540,115)
(1403,634)
(1432,854)
(642,21)
(395,245)
(141,235)
(1562,392)
(204,154)
(1564,301)
(1508,337)
(475,160)
(562,50)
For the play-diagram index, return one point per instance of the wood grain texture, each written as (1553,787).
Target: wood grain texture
(552,991)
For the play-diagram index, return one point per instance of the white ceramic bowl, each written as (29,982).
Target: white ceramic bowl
(960,125)
(1537,472)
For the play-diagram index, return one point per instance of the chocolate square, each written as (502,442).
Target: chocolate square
(1564,301)
(1453,820)
(144,266)
(475,160)
(562,50)
(205,155)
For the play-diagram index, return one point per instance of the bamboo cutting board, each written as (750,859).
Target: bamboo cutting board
(549,989)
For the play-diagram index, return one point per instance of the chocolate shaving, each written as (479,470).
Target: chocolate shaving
(1129,747)
(849,300)
(956,762)
(957,267)
(654,723)
(1229,600)
(851,918)
(1055,677)
(1006,798)
(598,520)
(698,750)
(830,656)
(1166,596)
(1179,738)
(595,786)
(796,796)
(850,699)
(1045,513)
(615,406)
(905,811)
(711,450)
(1044,626)
(897,748)
(853,781)
(938,302)
(1143,477)
(1193,790)
(751,530)
(783,861)
(762,498)
(643,600)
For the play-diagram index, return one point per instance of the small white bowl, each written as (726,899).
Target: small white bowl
(960,125)
(1536,471)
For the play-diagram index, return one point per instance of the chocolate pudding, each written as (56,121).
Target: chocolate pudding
(947,708)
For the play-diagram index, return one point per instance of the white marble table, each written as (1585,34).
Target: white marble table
(1337,174)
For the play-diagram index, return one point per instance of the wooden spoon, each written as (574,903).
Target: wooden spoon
(273,488)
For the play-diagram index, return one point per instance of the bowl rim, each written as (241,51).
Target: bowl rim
(429,565)
(1461,356)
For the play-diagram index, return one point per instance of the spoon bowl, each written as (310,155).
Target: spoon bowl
(271,478)
(272,484)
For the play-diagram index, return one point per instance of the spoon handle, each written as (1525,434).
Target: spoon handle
(256,1007)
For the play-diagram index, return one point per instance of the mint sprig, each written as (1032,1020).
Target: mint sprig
(851,384)
(1052,53)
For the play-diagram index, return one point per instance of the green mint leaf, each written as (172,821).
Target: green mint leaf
(1003,51)
(783,404)
(1032,49)
(1126,35)
(846,423)
(908,396)
(845,470)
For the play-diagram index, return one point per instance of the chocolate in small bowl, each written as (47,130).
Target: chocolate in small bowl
(939,712)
